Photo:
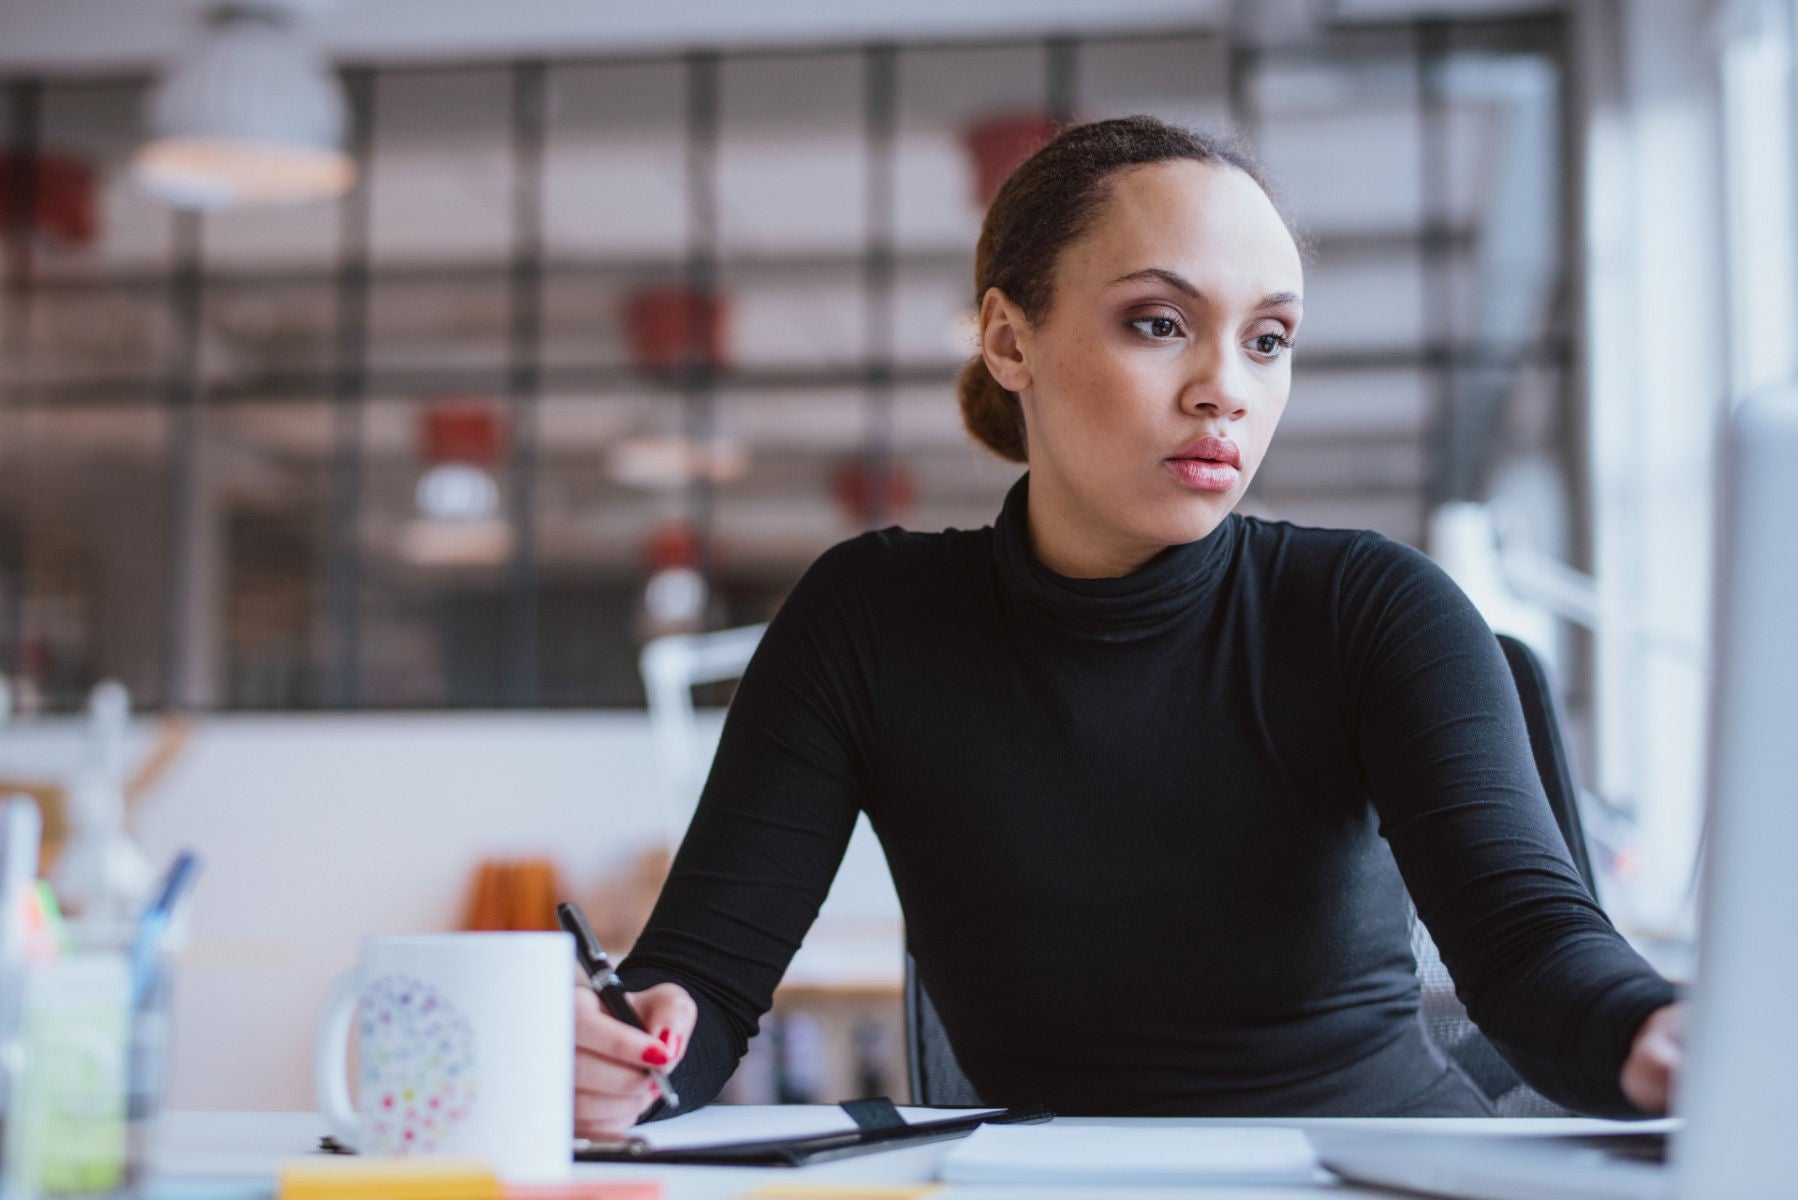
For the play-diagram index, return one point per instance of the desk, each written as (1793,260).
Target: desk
(251,1145)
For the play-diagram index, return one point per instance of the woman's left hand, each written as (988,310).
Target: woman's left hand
(1655,1058)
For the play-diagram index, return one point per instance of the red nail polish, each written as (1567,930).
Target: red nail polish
(667,1036)
(655,1056)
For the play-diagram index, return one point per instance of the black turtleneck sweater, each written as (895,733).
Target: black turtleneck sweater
(1153,835)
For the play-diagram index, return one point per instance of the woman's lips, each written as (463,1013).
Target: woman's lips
(1211,463)
(1202,474)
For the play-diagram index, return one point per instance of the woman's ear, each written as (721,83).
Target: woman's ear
(1004,339)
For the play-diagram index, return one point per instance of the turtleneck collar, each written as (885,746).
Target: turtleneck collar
(1139,605)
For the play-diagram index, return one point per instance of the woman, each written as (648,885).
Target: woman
(1153,778)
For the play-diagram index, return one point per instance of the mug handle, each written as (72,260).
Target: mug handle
(330,1060)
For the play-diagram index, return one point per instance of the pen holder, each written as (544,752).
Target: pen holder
(92,1048)
(66,1133)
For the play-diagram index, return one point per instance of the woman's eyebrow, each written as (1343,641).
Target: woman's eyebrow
(1179,283)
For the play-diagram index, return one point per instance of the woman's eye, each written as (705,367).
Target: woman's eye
(1279,342)
(1159,328)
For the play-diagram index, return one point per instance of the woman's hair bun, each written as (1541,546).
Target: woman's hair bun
(991,414)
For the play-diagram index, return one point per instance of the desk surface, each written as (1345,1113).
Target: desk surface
(251,1145)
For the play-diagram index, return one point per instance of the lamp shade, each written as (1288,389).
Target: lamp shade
(998,145)
(251,115)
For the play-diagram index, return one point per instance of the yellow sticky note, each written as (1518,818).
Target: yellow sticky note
(388,1179)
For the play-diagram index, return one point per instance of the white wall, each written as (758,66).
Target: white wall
(316,831)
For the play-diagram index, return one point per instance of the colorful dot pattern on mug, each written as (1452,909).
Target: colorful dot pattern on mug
(417,1065)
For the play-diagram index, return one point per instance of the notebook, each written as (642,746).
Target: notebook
(793,1137)
(1123,1154)
(718,1124)
(783,1136)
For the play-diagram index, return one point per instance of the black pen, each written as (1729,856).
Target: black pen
(605,981)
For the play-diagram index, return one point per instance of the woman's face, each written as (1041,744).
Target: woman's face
(1153,384)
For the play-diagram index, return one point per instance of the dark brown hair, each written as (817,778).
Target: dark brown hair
(1050,200)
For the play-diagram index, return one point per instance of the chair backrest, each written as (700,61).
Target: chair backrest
(1550,751)
(937,1078)
(670,667)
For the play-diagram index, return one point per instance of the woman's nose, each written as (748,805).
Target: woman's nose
(1218,382)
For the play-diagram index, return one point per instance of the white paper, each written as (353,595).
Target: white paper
(717,1124)
(1099,1154)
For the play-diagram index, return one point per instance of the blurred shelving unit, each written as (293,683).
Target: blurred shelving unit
(256,380)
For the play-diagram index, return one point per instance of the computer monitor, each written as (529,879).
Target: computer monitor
(1739,1090)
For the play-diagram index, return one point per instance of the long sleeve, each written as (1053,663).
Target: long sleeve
(773,819)
(1441,740)
(1190,768)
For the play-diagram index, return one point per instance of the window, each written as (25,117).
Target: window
(601,348)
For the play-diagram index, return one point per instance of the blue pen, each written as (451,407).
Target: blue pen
(152,926)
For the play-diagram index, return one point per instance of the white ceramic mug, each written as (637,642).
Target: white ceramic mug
(465,1047)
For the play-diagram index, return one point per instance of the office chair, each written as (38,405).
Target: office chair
(937,1078)
(670,667)
(1440,1009)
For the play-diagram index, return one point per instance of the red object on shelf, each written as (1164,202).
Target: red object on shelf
(676,326)
(671,544)
(462,431)
(65,205)
(867,494)
(998,144)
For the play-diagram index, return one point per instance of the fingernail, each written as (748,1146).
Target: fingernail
(655,1056)
(675,1046)
(666,1037)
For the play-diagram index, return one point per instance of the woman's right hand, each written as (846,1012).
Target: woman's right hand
(611,1087)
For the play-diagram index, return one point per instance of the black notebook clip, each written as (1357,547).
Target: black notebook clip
(876,1112)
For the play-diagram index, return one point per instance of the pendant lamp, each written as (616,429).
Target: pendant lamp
(251,114)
